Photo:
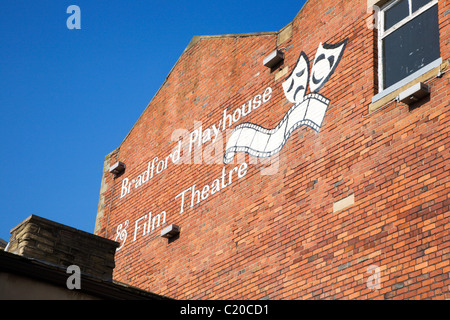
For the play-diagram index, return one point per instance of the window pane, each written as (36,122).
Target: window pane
(417,4)
(396,13)
(411,47)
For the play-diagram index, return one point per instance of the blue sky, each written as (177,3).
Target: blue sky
(69,97)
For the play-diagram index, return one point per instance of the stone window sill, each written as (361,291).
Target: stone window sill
(385,96)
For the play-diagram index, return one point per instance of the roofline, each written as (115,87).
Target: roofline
(57,275)
(192,43)
(197,39)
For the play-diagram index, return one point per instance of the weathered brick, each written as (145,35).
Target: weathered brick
(290,230)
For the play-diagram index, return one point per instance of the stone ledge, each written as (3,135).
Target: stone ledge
(426,76)
(49,241)
(378,3)
(285,34)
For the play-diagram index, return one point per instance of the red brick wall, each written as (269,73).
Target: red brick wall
(277,236)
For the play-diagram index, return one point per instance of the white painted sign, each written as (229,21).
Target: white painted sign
(308,109)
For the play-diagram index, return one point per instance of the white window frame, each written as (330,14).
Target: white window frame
(383,34)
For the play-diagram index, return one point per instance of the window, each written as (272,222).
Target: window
(408,41)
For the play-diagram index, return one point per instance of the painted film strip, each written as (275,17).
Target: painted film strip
(260,142)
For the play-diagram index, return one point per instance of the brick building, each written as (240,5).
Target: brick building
(308,163)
